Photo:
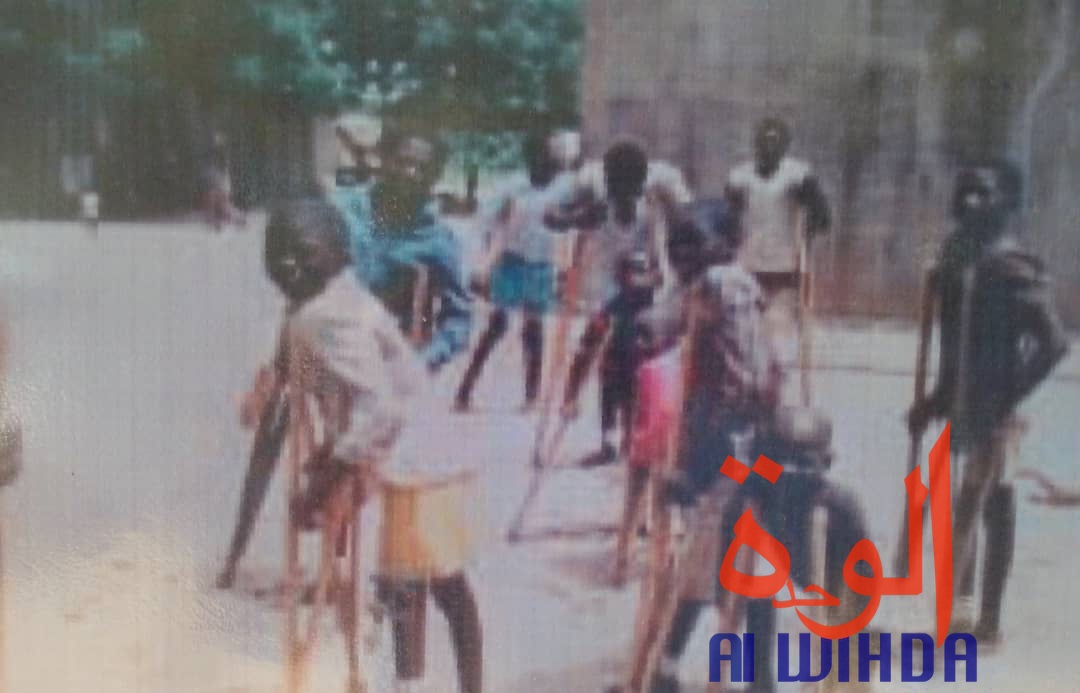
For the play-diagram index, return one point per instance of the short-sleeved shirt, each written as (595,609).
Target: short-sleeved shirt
(608,245)
(771,216)
(386,260)
(516,217)
(347,351)
(732,358)
(647,233)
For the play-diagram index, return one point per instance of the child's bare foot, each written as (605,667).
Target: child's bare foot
(226,578)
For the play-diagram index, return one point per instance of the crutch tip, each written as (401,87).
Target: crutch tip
(226,579)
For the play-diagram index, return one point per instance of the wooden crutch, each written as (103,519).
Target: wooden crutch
(660,591)
(806,313)
(559,356)
(299,444)
(927,311)
(819,547)
(340,523)
(420,297)
(352,601)
(545,447)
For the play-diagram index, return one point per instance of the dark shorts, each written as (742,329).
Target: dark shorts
(711,434)
(617,388)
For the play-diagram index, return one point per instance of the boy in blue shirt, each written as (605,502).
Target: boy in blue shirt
(394,232)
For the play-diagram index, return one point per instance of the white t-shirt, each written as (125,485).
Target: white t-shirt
(607,245)
(516,216)
(771,216)
(349,354)
(648,232)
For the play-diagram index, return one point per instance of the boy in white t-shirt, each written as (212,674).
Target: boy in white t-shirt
(520,273)
(782,206)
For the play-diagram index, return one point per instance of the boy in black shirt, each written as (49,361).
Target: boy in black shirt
(612,329)
(1000,338)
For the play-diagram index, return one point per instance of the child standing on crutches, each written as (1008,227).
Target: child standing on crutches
(1000,338)
(783,208)
(659,378)
(343,352)
(727,378)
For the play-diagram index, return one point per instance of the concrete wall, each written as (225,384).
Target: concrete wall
(884,96)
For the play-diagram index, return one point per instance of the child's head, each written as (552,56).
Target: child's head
(635,272)
(771,139)
(703,232)
(625,168)
(539,160)
(411,155)
(985,194)
(412,163)
(306,246)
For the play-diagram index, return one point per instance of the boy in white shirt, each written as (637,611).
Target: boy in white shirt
(770,194)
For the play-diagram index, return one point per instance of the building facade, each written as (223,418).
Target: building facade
(885,98)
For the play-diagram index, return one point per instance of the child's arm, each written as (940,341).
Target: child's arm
(269,381)
(453,322)
(934,404)
(811,197)
(735,191)
(581,209)
(494,221)
(1040,334)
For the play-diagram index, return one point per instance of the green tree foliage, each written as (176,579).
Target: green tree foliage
(222,51)
(488,65)
(478,70)
(465,65)
(49,44)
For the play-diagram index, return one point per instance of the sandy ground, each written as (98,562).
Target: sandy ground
(128,351)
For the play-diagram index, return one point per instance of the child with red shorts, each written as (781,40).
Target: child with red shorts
(659,394)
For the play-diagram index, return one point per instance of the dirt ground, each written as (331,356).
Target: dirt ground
(127,352)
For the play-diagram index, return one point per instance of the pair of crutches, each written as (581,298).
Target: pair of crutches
(546,442)
(546,445)
(340,537)
(819,519)
(927,314)
(662,589)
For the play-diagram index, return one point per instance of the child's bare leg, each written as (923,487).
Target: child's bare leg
(532,342)
(495,330)
(454,597)
(636,482)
